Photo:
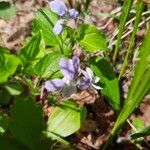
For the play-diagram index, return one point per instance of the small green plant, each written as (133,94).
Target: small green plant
(46,68)
(44,61)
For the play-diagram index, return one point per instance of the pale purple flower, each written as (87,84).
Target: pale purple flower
(54,84)
(70,69)
(73,13)
(58,28)
(58,7)
(61,9)
(89,80)
(84,83)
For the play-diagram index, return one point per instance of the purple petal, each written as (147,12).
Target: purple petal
(84,83)
(67,68)
(58,28)
(70,68)
(73,13)
(58,7)
(76,64)
(54,85)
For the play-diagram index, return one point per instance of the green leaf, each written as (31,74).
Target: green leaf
(31,86)
(140,83)
(8,66)
(3,124)
(87,4)
(48,66)
(144,132)
(69,32)
(14,88)
(44,144)
(5,97)
(138,88)
(91,39)
(102,68)
(138,124)
(7,143)
(45,20)
(65,119)
(139,10)
(27,121)
(7,10)
(127,5)
(34,49)
(2,58)
(32,52)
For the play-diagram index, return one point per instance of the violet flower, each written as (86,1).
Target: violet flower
(73,78)
(58,28)
(61,9)
(73,13)
(58,7)
(89,80)
(70,69)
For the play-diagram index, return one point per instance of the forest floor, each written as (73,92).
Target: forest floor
(101,118)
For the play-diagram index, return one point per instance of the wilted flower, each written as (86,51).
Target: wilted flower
(61,9)
(70,69)
(89,80)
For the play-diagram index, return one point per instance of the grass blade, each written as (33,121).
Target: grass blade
(142,133)
(125,12)
(139,10)
(138,89)
(86,4)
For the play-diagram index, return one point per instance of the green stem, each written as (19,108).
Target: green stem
(109,141)
(139,10)
(61,45)
(125,12)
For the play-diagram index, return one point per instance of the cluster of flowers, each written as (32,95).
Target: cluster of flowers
(74,78)
(58,7)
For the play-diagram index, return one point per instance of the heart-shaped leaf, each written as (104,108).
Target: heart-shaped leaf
(91,39)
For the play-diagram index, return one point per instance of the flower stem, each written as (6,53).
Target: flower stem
(61,45)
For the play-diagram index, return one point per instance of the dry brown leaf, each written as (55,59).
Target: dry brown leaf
(146,1)
(84,97)
(111,2)
(89,126)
